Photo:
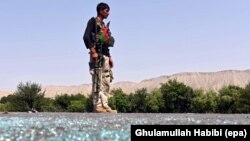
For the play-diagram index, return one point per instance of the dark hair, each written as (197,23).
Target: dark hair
(101,6)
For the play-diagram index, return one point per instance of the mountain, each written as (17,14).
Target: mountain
(204,80)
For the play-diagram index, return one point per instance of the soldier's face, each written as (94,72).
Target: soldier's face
(105,13)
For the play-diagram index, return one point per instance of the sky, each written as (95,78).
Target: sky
(41,41)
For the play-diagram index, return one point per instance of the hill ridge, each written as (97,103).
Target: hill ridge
(196,80)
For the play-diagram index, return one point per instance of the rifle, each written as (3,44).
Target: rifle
(98,66)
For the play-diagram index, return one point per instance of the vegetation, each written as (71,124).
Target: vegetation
(171,97)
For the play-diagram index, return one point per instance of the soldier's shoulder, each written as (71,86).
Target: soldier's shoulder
(92,20)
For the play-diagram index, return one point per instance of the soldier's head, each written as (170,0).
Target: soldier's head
(102,10)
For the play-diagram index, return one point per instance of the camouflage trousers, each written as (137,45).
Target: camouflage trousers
(104,76)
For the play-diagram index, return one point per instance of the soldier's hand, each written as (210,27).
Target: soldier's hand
(93,53)
(94,56)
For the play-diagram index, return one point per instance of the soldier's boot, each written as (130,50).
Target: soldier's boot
(105,105)
(109,110)
(100,109)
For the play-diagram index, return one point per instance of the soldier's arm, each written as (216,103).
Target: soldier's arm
(87,37)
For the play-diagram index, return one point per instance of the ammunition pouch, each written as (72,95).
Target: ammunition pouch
(111,41)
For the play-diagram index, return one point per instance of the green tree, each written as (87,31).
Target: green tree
(198,102)
(177,96)
(228,97)
(154,102)
(76,106)
(62,102)
(4,99)
(50,105)
(138,101)
(77,103)
(243,104)
(211,102)
(5,107)
(14,102)
(28,95)
(71,103)
(119,101)
(204,102)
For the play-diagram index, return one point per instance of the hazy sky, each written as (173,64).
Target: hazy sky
(41,41)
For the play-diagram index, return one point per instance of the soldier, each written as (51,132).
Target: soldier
(98,40)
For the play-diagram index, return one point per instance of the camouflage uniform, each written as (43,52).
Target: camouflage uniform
(102,77)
